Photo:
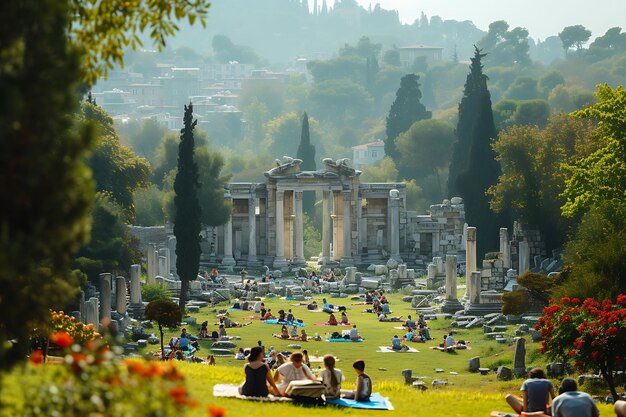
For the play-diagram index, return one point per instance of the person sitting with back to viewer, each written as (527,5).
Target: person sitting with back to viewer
(537,391)
(573,403)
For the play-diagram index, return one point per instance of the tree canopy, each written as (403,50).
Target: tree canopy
(575,35)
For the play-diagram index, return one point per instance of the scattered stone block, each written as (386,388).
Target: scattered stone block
(193,309)
(504,373)
(224,344)
(142,343)
(420,385)
(474,364)
(484,371)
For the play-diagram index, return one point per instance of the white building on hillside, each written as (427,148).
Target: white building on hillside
(368,154)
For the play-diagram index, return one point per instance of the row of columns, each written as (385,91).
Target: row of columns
(343,215)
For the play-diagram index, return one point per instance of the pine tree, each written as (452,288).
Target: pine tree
(475,88)
(188,211)
(483,172)
(306,152)
(405,110)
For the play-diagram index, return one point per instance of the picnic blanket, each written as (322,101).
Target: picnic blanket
(325,323)
(387,349)
(341,339)
(376,402)
(287,323)
(232,391)
(465,347)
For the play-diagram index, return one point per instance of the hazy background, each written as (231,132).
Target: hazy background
(542,18)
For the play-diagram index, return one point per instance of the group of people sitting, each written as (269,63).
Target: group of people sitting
(260,381)
(291,335)
(332,320)
(181,348)
(537,392)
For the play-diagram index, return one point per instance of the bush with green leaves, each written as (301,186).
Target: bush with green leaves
(151,292)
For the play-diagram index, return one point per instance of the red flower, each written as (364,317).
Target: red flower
(37,357)
(612,331)
(215,411)
(61,339)
(572,353)
(621,299)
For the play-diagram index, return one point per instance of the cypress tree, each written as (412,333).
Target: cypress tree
(483,171)
(405,110)
(306,152)
(475,88)
(188,211)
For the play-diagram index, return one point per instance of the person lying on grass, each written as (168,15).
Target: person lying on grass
(258,376)
(383,317)
(294,370)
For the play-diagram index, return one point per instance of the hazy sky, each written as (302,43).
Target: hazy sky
(542,18)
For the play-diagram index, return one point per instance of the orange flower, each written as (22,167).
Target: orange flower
(37,357)
(179,395)
(61,339)
(215,411)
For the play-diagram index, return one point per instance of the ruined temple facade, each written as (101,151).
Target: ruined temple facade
(363,223)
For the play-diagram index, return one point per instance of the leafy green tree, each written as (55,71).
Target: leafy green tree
(475,88)
(483,172)
(117,170)
(549,81)
(575,35)
(425,150)
(306,152)
(611,43)
(104,29)
(601,176)
(166,314)
(225,51)
(523,88)
(312,239)
(149,206)
(47,191)
(405,110)
(569,99)
(532,179)
(111,247)
(166,155)
(532,112)
(364,48)
(340,100)
(281,134)
(188,211)
(391,57)
(257,115)
(145,137)
(215,211)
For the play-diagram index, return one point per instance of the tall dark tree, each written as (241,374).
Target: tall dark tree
(405,110)
(306,152)
(475,88)
(188,211)
(483,172)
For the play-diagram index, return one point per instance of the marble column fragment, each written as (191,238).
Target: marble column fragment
(394,218)
(505,250)
(152,260)
(105,296)
(252,258)
(279,260)
(120,295)
(299,229)
(524,257)
(451,304)
(470,258)
(346,259)
(474,287)
(326,232)
(228,259)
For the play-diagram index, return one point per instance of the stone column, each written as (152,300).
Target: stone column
(451,304)
(298,229)
(474,287)
(82,306)
(136,308)
(470,258)
(152,263)
(163,272)
(120,295)
(279,260)
(326,232)
(347,260)
(524,257)
(504,248)
(252,259)
(91,312)
(394,236)
(105,295)
(171,245)
(228,259)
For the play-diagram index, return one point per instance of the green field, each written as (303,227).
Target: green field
(467,394)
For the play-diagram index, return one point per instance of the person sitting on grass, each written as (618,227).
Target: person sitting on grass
(290,317)
(354,333)
(363,388)
(449,344)
(240,355)
(573,403)
(294,331)
(284,333)
(410,323)
(282,316)
(331,378)
(258,376)
(332,321)
(396,343)
(222,332)
(303,336)
(268,315)
(384,307)
(344,318)
(294,370)
(204,331)
(424,332)
(537,391)
(383,317)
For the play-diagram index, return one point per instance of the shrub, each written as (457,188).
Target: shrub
(151,292)
(515,302)
(79,332)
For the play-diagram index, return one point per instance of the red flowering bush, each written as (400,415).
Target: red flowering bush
(80,333)
(592,334)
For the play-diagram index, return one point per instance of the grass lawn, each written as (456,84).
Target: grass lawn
(466,394)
